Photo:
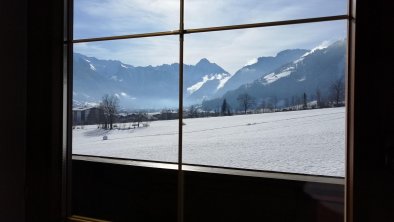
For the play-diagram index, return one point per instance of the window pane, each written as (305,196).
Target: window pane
(268,99)
(125,98)
(207,13)
(97,18)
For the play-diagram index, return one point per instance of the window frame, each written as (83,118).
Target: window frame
(69,41)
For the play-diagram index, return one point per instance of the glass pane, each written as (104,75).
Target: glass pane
(207,13)
(125,99)
(97,18)
(268,99)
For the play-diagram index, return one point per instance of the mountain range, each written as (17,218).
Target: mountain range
(291,72)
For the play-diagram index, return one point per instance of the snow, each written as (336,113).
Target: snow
(321,46)
(298,60)
(307,142)
(251,62)
(223,81)
(222,77)
(92,67)
(272,77)
(115,78)
(198,85)
(302,79)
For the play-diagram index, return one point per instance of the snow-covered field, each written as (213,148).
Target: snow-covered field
(308,142)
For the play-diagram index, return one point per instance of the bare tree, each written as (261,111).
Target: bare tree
(109,104)
(274,101)
(338,91)
(193,111)
(293,103)
(297,102)
(287,103)
(318,98)
(263,105)
(245,101)
(304,102)
(139,117)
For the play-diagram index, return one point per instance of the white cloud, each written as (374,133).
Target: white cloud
(136,52)
(229,49)
(251,62)
(118,17)
(200,13)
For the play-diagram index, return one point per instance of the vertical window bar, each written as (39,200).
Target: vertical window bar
(67,106)
(351,29)
(180,115)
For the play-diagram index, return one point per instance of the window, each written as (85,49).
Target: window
(272,113)
(123,110)
(254,97)
(249,88)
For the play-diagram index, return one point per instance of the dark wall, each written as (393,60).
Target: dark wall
(215,197)
(31,86)
(44,110)
(129,193)
(124,193)
(13,63)
(374,112)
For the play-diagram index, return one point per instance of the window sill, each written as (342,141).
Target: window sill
(214,169)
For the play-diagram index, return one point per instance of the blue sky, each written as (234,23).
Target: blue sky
(230,49)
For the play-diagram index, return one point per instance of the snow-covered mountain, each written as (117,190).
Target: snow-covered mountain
(259,68)
(316,69)
(143,87)
(290,72)
(203,80)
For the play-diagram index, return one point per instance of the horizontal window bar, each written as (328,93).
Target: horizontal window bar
(131,162)
(77,218)
(266,174)
(219,28)
(269,24)
(132,36)
(215,170)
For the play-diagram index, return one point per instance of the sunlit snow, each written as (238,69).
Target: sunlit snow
(222,77)
(272,77)
(223,81)
(322,45)
(124,66)
(198,85)
(308,142)
(92,67)
(251,62)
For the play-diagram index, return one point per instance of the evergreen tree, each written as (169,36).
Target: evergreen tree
(305,105)
(225,108)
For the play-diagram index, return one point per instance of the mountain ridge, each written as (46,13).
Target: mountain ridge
(156,87)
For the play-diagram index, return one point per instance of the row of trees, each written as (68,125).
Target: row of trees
(244,103)
(110,105)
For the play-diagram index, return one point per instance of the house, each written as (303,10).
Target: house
(87,116)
